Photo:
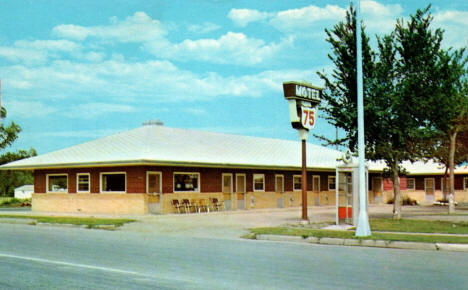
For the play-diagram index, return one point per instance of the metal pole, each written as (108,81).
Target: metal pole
(304,182)
(362,229)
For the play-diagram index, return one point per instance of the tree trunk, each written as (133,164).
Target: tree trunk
(453,140)
(396,192)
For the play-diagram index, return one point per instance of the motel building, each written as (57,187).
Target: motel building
(154,168)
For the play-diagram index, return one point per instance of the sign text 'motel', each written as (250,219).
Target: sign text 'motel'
(298,90)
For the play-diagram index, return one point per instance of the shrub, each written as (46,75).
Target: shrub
(406,200)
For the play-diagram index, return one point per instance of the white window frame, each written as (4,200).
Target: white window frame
(295,176)
(245,182)
(314,176)
(55,174)
(253,181)
(78,183)
(282,182)
(186,191)
(414,183)
(147,182)
(112,173)
(465,181)
(329,177)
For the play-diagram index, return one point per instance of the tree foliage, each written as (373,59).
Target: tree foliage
(11,179)
(402,88)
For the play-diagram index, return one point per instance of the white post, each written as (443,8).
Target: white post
(362,229)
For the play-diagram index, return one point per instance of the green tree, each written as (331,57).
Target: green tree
(450,115)
(398,86)
(11,179)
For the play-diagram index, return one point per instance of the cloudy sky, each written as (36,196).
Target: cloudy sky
(74,71)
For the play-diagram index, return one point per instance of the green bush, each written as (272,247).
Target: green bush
(406,200)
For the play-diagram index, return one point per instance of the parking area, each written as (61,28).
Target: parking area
(233,224)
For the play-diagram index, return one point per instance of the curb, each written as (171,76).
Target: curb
(367,243)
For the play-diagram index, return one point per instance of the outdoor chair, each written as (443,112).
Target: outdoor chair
(216,204)
(202,205)
(176,205)
(187,205)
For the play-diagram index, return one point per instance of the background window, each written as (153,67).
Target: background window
(331,183)
(186,182)
(57,183)
(259,182)
(83,182)
(465,183)
(410,183)
(297,182)
(113,182)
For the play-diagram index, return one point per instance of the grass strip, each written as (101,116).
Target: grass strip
(350,235)
(419,226)
(90,222)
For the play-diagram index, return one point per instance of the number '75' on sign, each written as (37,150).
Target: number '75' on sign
(308,117)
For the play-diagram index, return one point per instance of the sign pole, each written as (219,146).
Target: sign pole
(363,228)
(302,99)
(304,182)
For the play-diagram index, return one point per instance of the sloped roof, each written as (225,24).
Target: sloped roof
(153,144)
(160,145)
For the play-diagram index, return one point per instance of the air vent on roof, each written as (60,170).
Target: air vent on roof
(153,123)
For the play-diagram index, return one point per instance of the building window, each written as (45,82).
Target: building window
(465,183)
(297,182)
(153,182)
(82,182)
(57,182)
(331,183)
(410,184)
(259,182)
(187,182)
(113,182)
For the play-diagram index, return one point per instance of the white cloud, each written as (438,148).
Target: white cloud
(28,109)
(142,83)
(51,45)
(305,17)
(93,110)
(377,17)
(242,17)
(203,28)
(380,18)
(455,25)
(136,28)
(231,47)
(29,56)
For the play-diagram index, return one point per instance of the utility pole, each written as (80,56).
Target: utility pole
(363,228)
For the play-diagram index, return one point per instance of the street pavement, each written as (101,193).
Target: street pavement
(54,257)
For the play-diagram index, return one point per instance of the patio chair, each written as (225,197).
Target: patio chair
(202,205)
(216,204)
(187,205)
(175,203)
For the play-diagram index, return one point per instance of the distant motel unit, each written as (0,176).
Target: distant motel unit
(143,170)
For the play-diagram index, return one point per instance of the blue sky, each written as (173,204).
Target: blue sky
(74,71)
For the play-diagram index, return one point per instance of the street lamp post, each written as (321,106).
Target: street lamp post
(362,229)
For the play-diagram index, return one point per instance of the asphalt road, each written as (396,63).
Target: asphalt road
(50,257)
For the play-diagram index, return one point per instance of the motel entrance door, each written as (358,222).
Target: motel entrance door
(279,188)
(227,191)
(240,191)
(316,189)
(154,190)
(376,197)
(429,188)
